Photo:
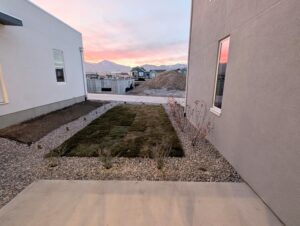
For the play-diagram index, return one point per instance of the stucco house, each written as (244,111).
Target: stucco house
(154,73)
(139,73)
(41,66)
(244,63)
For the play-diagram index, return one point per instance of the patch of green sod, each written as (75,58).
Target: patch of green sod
(126,131)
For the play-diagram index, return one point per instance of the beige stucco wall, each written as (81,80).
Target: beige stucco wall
(259,128)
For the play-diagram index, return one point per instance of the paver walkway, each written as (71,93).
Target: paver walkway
(132,98)
(120,203)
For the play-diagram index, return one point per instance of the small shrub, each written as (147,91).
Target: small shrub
(160,163)
(53,162)
(203,125)
(198,113)
(160,152)
(67,128)
(178,114)
(106,158)
(39,147)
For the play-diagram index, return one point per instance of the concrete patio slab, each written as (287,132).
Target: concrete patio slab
(132,98)
(127,203)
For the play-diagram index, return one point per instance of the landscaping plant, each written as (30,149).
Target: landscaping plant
(106,158)
(197,113)
(178,113)
(161,151)
(203,125)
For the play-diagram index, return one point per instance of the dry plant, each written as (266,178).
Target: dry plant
(178,114)
(197,113)
(52,159)
(106,158)
(161,151)
(202,125)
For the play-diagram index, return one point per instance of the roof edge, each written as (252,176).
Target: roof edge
(9,20)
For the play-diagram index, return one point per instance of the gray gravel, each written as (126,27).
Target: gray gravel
(20,164)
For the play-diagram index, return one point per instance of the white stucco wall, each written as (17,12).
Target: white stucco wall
(26,58)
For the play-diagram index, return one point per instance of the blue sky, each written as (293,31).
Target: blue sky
(130,32)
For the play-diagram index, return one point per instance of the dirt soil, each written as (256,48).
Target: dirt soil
(125,131)
(33,130)
(167,81)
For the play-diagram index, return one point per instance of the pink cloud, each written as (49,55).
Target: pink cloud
(131,32)
(154,55)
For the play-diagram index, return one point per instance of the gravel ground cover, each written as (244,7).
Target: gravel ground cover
(21,164)
(164,93)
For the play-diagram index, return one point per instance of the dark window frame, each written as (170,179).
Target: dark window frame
(60,78)
(220,75)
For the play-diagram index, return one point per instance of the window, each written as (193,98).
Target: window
(60,75)
(221,74)
(3,93)
(106,89)
(59,64)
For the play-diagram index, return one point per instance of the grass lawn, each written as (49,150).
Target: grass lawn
(126,131)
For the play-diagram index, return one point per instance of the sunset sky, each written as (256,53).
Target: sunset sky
(130,32)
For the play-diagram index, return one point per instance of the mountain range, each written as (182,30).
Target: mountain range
(109,66)
(149,67)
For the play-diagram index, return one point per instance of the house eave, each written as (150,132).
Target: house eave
(9,20)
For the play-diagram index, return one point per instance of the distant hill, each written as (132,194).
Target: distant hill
(105,66)
(109,66)
(149,67)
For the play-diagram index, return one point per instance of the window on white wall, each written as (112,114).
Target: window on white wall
(221,74)
(3,93)
(59,63)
